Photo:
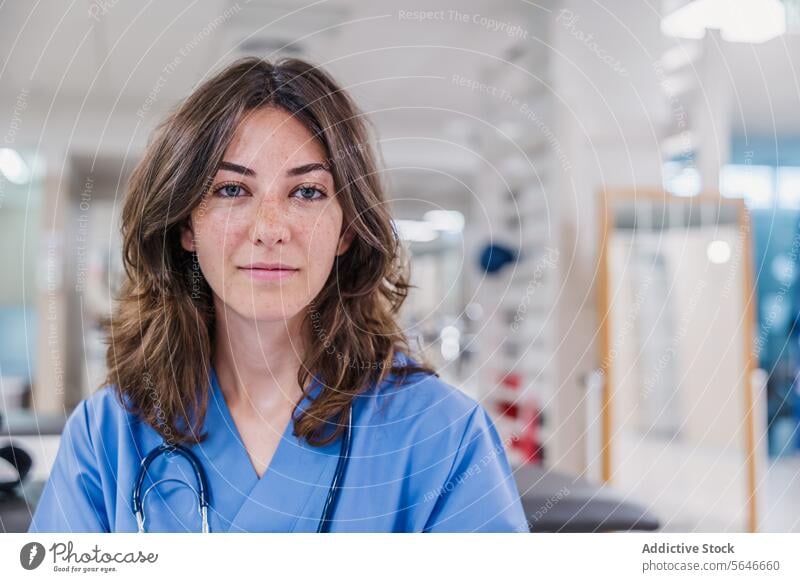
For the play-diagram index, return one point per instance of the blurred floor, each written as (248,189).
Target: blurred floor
(782,499)
(698,489)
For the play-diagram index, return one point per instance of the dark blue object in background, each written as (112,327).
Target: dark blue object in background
(496,256)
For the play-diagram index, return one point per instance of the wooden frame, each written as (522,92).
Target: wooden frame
(607,198)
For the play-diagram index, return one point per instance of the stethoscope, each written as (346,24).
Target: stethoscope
(202,491)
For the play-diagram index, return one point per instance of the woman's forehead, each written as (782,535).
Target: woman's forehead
(273,139)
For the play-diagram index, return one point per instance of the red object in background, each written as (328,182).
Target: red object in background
(508,409)
(527,442)
(511,380)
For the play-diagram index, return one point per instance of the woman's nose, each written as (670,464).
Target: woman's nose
(270,225)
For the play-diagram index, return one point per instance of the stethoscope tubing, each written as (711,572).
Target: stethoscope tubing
(203,491)
(341,465)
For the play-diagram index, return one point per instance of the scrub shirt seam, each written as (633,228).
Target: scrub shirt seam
(86,422)
(455,458)
(85,406)
(89,434)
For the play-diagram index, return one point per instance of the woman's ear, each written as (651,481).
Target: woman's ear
(187,237)
(345,240)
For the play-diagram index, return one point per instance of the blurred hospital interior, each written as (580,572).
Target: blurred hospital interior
(600,201)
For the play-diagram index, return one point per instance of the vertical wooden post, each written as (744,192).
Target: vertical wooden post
(604,315)
(749,295)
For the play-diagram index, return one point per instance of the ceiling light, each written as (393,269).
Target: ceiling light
(415,230)
(446,220)
(13,167)
(751,21)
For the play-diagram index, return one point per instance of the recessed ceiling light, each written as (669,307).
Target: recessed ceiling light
(751,21)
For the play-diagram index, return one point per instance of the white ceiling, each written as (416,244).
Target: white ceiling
(84,68)
(766,86)
(116,60)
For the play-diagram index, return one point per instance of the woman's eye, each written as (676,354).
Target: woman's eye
(309,193)
(230,191)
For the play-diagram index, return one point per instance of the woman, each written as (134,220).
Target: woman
(256,329)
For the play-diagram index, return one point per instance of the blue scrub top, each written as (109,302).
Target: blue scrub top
(425,457)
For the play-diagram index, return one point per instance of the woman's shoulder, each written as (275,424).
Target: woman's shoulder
(106,399)
(102,409)
(419,398)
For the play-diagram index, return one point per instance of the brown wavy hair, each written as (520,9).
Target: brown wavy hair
(160,334)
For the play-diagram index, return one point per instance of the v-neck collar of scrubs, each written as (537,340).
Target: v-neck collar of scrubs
(289,492)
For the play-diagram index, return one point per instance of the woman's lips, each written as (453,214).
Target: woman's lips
(268,274)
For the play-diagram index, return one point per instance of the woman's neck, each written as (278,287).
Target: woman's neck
(257,362)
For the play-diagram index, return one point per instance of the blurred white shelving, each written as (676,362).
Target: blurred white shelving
(517,333)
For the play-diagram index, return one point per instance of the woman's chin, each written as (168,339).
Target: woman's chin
(270,314)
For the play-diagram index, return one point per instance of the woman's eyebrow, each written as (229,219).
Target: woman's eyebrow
(307,169)
(298,171)
(245,171)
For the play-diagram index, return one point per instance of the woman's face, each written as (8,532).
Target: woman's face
(268,231)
